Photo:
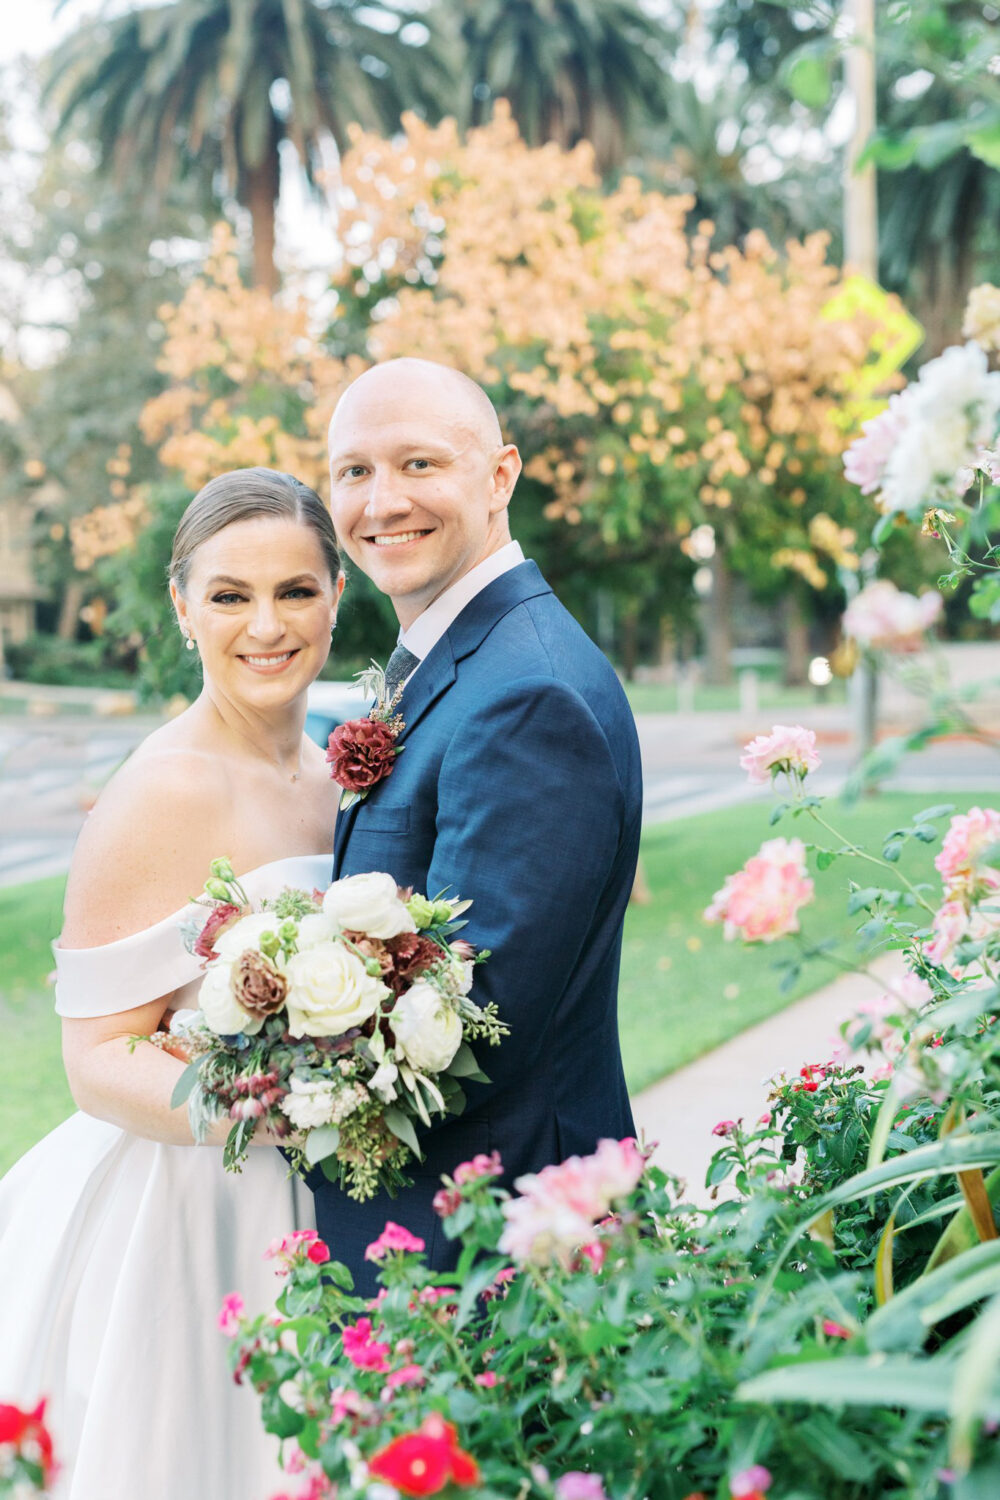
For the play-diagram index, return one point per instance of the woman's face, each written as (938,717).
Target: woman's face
(260,604)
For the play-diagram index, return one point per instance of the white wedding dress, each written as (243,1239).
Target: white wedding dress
(116,1253)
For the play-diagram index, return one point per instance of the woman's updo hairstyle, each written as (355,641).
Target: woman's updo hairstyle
(241,495)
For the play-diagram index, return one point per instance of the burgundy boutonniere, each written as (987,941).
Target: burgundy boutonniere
(362,752)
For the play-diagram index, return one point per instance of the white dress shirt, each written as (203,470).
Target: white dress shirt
(428,628)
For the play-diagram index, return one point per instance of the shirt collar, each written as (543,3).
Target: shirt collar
(428,628)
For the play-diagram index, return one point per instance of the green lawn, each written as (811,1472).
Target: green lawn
(684,990)
(33,1092)
(661,698)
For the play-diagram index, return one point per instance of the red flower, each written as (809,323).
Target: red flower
(361,753)
(27,1430)
(318,1253)
(219,918)
(425,1461)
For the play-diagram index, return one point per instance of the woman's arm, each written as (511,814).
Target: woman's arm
(127,1088)
(142,855)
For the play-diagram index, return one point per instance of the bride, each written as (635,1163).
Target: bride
(118,1237)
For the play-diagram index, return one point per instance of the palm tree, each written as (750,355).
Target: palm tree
(195,86)
(571,69)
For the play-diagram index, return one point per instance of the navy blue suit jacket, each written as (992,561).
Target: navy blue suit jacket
(519,788)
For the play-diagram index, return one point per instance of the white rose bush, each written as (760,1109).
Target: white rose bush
(340,1022)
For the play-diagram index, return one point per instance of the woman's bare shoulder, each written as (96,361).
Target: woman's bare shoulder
(147,844)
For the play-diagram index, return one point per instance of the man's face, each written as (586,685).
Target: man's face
(418,496)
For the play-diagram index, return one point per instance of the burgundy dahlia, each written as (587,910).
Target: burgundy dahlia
(361,753)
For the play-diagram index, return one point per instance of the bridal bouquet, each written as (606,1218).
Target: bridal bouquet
(339,1019)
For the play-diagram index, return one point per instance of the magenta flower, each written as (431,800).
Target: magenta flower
(579,1486)
(230,1314)
(479,1166)
(753,1481)
(724,1127)
(393,1237)
(362,1349)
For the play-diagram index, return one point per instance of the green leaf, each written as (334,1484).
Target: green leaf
(321,1141)
(883,1262)
(974,1395)
(825,858)
(806,75)
(777,813)
(184,1085)
(892,851)
(877,1381)
(861,899)
(984,142)
(402,1128)
(939,810)
(463,1064)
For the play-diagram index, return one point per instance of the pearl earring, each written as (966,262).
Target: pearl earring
(190,643)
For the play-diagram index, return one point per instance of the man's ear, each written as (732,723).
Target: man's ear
(507,467)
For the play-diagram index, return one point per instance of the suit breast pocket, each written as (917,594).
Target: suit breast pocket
(381,818)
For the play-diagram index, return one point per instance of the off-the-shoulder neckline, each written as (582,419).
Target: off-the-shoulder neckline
(289,859)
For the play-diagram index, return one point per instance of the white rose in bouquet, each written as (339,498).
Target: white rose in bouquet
(222,1011)
(428,1032)
(246,933)
(329,991)
(368,903)
(314,928)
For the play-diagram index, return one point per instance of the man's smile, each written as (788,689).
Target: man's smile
(396,538)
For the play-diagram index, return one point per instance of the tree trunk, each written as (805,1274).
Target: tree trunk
(69,612)
(630,645)
(797,649)
(716,617)
(262,196)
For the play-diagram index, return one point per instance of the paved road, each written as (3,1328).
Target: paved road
(50,771)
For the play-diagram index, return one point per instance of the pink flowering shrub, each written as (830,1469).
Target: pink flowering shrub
(761,902)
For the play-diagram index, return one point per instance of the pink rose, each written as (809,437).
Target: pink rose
(969,837)
(364,1352)
(318,1253)
(557,1207)
(790,749)
(884,618)
(393,1237)
(865,460)
(762,901)
(230,1314)
(408,1375)
(487,1379)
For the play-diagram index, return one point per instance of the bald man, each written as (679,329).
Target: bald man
(520,786)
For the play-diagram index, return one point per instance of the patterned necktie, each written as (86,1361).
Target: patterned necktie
(398,668)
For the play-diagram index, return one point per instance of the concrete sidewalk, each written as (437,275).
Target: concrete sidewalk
(731,1082)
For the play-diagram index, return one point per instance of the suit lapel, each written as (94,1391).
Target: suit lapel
(437,671)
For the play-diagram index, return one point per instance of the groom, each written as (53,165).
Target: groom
(519,788)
